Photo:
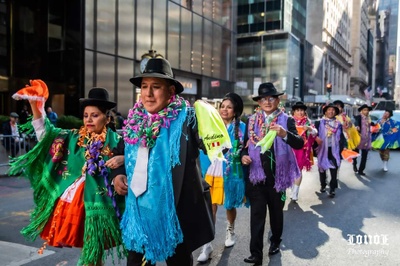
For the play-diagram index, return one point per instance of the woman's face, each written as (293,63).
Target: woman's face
(226,110)
(155,94)
(299,112)
(386,115)
(94,120)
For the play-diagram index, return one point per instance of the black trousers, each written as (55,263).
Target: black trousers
(333,184)
(364,156)
(182,256)
(262,196)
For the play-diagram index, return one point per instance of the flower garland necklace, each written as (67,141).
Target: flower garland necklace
(144,128)
(95,164)
(301,121)
(264,126)
(331,129)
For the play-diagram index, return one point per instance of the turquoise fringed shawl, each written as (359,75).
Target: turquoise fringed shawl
(150,224)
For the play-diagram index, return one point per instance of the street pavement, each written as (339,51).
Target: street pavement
(360,226)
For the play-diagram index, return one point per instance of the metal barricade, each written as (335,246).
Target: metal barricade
(11,147)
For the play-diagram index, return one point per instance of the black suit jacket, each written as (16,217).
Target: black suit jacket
(357,122)
(191,192)
(294,140)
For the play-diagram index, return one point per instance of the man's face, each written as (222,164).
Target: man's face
(269,104)
(155,94)
(330,112)
(13,120)
(365,111)
(339,107)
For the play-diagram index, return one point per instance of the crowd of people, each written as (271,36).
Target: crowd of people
(145,193)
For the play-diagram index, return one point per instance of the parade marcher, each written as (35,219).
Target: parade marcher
(168,205)
(308,132)
(270,172)
(226,187)
(331,143)
(349,130)
(51,115)
(363,124)
(13,139)
(74,202)
(387,138)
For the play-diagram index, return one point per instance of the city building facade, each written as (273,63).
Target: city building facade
(75,45)
(270,45)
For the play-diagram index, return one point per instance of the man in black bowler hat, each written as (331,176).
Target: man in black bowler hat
(363,124)
(270,172)
(168,205)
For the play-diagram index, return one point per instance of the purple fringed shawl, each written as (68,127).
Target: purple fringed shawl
(323,162)
(286,168)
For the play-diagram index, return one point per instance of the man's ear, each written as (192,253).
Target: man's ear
(172,90)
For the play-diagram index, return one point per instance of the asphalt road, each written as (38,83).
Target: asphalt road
(316,232)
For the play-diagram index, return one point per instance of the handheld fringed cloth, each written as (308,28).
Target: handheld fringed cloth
(354,138)
(267,141)
(349,155)
(36,91)
(212,130)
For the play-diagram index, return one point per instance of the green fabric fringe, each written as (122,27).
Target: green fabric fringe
(44,195)
(97,241)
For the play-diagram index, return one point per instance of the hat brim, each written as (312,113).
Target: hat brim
(256,98)
(94,102)
(334,107)
(303,107)
(363,107)
(137,81)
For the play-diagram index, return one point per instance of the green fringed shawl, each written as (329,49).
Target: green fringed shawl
(51,167)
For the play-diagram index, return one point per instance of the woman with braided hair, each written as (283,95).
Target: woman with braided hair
(226,179)
(75,204)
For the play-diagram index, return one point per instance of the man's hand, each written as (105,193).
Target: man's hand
(246,160)
(120,185)
(280,131)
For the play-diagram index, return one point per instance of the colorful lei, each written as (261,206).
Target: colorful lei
(95,164)
(140,126)
(264,126)
(331,129)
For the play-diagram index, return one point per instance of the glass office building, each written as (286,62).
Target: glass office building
(75,45)
(270,45)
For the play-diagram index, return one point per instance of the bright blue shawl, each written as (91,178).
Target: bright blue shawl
(150,224)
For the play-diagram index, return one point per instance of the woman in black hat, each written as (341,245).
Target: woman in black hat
(387,138)
(307,131)
(228,189)
(75,203)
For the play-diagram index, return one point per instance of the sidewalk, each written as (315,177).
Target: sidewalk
(15,254)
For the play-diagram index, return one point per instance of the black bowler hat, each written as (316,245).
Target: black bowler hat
(339,102)
(266,89)
(325,107)
(364,106)
(299,105)
(157,68)
(97,97)
(237,103)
